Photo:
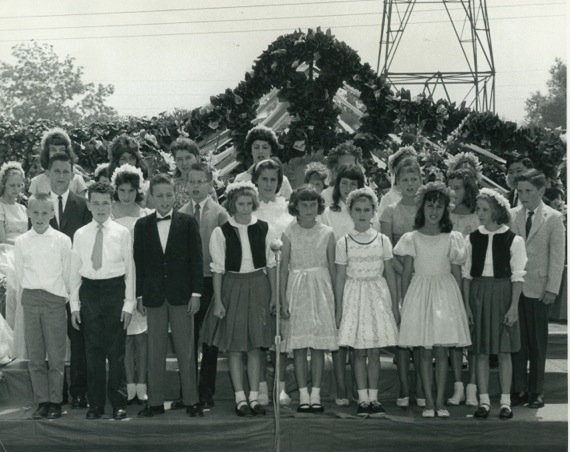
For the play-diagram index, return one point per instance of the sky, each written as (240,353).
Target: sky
(161,55)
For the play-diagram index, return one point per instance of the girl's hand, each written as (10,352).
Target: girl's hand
(338,317)
(511,317)
(273,306)
(285,314)
(219,310)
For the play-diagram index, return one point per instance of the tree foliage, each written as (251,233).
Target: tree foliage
(549,110)
(42,86)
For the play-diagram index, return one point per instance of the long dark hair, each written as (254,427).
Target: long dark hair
(352,172)
(438,197)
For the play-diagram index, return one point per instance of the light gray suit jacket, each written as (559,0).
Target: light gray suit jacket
(545,248)
(212,216)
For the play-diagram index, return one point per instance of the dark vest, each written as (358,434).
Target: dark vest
(256,233)
(501,253)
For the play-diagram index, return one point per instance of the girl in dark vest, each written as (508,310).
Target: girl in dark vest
(243,268)
(492,284)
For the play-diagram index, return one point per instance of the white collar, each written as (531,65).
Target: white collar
(202,203)
(64,196)
(162,216)
(368,233)
(48,231)
(502,229)
(233,222)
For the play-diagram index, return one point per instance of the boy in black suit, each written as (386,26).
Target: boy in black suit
(169,274)
(71,213)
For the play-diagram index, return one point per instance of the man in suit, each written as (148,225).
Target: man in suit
(516,165)
(209,215)
(169,284)
(543,230)
(71,213)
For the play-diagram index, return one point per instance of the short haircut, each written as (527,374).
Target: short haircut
(272,163)
(316,169)
(515,157)
(534,177)
(365,193)
(305,193)
(125,177)
(261,133)
(346,148)
(158,179)
(59,157)
(407,165)
(469,184)
(436,196)
(56,137)
(204,168)
(124,144)
(499,214)
(184,144)
(101,188)
(101,171)
(233,195)
(40,197)
(352,172)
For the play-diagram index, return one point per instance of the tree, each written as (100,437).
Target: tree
(40,85)
(549,110)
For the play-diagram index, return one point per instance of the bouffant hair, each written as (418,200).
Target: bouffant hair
(305,193)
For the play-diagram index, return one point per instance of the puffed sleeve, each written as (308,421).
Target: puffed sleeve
(386,248)
(518,259)
(406,245)
(270,255)
(341,257)
(218,251)
(466,268)
(387,215)
(457,252)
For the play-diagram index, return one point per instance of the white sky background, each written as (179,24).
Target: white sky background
(209,50)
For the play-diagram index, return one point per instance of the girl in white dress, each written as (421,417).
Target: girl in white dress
(463,183)
(433,313)
(127,181)
(268,178)
(367,301)
(13,223)
(307,272)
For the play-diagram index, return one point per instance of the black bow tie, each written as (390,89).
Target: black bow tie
(167,217)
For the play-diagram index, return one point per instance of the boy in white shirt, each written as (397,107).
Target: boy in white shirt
(45,291)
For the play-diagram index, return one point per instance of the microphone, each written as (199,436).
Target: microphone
(276,245)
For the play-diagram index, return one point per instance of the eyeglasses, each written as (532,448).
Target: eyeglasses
(198,182)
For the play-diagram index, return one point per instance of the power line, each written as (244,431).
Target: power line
(72,27)
(205,8)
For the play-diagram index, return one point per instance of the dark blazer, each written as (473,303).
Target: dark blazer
(75,215)
(175,274)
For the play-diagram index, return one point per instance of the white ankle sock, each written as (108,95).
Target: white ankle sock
(315,395)
(363,396)
(131,391)
(240,396)
(281,386)
(253,395)
(506,399)
(458,386)
(484,399)
(304,396)
(372,395)
(263,387)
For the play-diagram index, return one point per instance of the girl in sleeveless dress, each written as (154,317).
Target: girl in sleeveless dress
(307,272)
(243,267)
(433,313)
(368,303)
(493,277)
(13,223)
(127,181)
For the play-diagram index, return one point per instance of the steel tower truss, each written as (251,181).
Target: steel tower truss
(470,23)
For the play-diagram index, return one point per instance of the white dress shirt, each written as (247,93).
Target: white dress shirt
(117,260)
(42,261)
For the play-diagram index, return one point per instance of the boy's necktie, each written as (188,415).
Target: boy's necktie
(97,254)
(197,213)
(60,210)
(528,224)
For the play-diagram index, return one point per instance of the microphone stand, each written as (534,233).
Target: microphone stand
(276,246)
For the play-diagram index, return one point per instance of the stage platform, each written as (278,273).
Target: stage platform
(337,429)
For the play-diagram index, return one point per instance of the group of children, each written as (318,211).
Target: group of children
(435,270)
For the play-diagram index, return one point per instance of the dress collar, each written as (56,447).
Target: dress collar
(483,230)
(233,222)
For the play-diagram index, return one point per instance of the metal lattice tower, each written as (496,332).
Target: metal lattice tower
(470,24)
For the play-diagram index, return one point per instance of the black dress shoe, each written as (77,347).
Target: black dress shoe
(207,403)
(54,411)
(150,411)
(505,413)
(119,413)
(256,409)
(135,399)
(42,411)
(242,409)
(195,410)
(536,401)
(78,402)
(482,412)
(177,405)
(519,398)
(94,413)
